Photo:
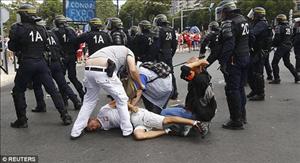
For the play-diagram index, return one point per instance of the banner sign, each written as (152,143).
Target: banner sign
(80,10)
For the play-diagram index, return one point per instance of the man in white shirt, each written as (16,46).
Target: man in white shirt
(101,72)
(146,124)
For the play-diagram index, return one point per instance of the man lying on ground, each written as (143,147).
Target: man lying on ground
(146,124)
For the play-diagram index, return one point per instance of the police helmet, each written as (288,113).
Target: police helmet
(145,25)
(281,18)
(60,21)
(133,30)
(226,6)
(257,13)
(213,26)
(95,23)
(296,22)
(160,19)
(27,13)
(114,23)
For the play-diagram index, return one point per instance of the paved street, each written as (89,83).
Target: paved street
(271,135)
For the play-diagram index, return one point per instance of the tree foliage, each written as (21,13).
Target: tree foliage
(49,9)
(105,9)
(133,11)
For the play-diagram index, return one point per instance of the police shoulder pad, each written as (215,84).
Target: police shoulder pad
(226,29)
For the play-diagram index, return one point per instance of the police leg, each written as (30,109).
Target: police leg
(259,81)
(277,56)
(39,96)
(22,78)
(66,90)
(268,67)
(174,94)
(233,96)
(288,64)
(251,81)
(73,78)
(297,56)
(50,87)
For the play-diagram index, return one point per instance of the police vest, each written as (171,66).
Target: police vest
(166,37)
(31,39)
(241,27)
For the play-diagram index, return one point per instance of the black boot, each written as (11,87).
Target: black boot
(297,78)
(20,107)
(251,94)
(65,117)
(260,97)
(19,123)
(77,104)
(40,108)
(233,125)
(275,81)
(270,77)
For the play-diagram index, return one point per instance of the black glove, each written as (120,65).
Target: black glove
(223,69)
(201,56)
(185,72)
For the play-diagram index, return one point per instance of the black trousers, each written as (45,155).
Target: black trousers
(256,74)
(268,65)
(70,66)
(31,70)
(297,56)
(58,76)
(283,53)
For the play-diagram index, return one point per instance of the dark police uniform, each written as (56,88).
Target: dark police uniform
(95,40)
(66,37)
(144,47)
(261,32)
(118,37)
(210,40)
(296,44)
(55,65)
(283,43)
(28,39)
(167,48)
(234,60)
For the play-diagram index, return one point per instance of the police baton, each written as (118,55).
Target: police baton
(179,64)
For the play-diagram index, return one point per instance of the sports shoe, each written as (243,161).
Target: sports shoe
(202,127)
(173,130)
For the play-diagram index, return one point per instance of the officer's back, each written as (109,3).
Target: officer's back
(115,27)
(66,35)
(96,38)
(283,35)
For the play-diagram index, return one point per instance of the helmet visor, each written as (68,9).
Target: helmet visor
(251,14)
(218,14)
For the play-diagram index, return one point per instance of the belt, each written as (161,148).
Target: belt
(95,69)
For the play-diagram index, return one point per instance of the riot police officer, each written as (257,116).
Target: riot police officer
(167,45)
(211,40)
(132,32)
(115,30)
(234,60)
(55,65)
(282,41)
(261,43)
(144,46)
(96,38)
(66,37)
(28,40)
(296,43)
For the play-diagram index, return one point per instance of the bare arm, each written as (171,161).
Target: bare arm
(137,98)
(134,72)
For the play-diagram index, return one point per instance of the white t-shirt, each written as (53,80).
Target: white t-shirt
(116,53)
(108,117)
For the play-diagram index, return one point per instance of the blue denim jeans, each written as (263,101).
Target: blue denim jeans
(177,111)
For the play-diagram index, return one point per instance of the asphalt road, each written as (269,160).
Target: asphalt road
(271,135)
